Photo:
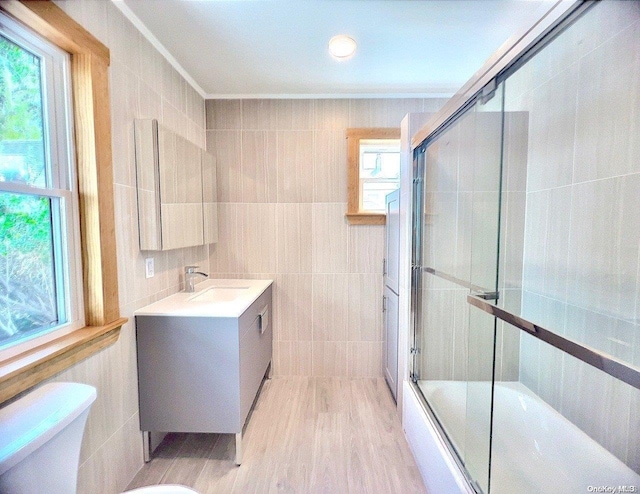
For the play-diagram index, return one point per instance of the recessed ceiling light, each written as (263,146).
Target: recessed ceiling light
(342,46)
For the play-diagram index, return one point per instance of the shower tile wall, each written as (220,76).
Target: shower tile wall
(582,230)
(282,191)
(142,85)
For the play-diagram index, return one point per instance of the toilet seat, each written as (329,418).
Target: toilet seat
(162,489)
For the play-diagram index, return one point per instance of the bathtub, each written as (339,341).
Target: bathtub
(535,449)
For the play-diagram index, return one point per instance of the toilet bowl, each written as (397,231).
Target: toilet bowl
(40,439)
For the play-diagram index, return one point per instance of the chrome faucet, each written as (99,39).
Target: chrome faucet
(189,274)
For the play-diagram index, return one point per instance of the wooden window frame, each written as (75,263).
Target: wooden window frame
(92,125)
(354,136)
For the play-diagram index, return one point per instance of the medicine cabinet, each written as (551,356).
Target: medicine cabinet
(176,183)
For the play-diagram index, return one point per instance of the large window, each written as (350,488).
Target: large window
(40,271)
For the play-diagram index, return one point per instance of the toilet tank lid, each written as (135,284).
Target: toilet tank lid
(29,422)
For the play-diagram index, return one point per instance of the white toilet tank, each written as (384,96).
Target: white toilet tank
(40,439)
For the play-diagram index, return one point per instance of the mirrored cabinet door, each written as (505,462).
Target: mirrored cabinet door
(176,182)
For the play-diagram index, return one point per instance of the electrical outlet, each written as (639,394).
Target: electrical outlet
(148,267)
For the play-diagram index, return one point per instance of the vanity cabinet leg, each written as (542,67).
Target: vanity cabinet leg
(239,448)
(146,439)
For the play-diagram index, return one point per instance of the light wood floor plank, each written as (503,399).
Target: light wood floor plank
(306,436)
(190,459)
(220,471)
(152,472)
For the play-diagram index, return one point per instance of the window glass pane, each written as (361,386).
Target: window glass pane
(373,195)
(27,275)
(21,116)
(380,158)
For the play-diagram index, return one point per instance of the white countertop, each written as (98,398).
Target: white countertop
(236,297)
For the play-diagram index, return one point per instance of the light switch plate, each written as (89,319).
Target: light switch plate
(148,267)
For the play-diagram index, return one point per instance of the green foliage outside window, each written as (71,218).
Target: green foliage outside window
(27,287)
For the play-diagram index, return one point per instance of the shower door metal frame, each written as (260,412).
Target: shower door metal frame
(418,194)
(419,159)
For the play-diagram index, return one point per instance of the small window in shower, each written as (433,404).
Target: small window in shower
(374,172)
(379,172)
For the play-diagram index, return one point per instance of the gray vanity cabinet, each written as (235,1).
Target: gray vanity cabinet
(202,374)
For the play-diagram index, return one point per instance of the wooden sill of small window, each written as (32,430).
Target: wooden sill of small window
(25,370)
(92,123)
(354,215)
(366,218)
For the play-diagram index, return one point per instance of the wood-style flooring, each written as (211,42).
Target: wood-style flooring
(306,435)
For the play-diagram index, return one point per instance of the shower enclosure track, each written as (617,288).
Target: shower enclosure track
(600,360)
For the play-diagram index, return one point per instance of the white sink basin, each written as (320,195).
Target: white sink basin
(213,298)
(219,294)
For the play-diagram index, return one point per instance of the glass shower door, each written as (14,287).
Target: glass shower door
(458,222)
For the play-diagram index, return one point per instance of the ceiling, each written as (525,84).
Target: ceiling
(278,48)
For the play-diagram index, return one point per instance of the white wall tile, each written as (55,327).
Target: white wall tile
(150,65)
(535,241)
(226,256)
(293,358)
(124,108)
(330,238)
(293,307)
(329,166)
(149,102)
(332,114)
(330,359)
(225,145)
(224,114)
(551,131)
(608,123)
(259,238)
(259,114)
(604,243)
(330,307)
(381,112)
(294,237)
(364,359)
(557,243)
(366,249)
(294,114)
(295,166)
(365,307)
(259,166)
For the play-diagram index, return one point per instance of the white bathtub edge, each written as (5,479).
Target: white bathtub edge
(439,470)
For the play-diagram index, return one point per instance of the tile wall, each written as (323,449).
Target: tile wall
(581,273)
(142,85)
(282,192)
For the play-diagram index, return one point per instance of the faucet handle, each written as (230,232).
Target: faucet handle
(190,269)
